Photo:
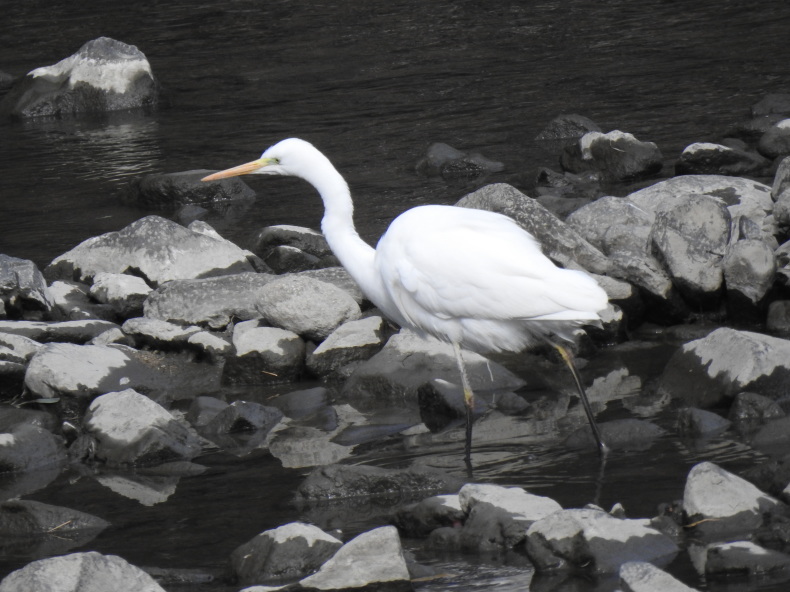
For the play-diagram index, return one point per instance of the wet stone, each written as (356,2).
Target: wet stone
(719,502)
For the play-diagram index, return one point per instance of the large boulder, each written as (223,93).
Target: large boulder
(691,240)
(104,75)
(716,501)
(80,572)
(131,429)
(211,302)
(154,248)
(706,371)
(592,541)
(291,551)
(22,287)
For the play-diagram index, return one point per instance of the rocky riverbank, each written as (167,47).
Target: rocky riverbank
(121,352)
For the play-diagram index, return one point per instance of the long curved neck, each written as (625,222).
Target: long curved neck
(354,254)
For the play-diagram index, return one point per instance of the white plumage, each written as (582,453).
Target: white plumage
(469,277)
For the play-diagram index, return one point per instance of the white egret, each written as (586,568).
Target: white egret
(469,277)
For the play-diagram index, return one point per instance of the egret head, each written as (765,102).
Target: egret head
(291,157)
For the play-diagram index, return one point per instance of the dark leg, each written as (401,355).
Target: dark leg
(469,401)
(568,358)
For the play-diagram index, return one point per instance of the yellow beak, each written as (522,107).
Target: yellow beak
(242,169)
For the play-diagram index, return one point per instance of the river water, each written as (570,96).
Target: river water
(372,84)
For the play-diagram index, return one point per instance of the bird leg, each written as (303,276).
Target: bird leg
(567,356)
(469,400)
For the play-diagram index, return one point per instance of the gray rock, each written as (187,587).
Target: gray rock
(645,271)
(497,517)
(157,249)
(559,241)
(334,482)
(772,103)
(20,518)
(691,240)
(781,182)
(778,319)
(72,301)
(291,551)
(211,345)
(695,423)
(752,129)
(567,126)
(243,416)
(203,409)
(308,307)
(351,342)
(81,370)
(776,141)
(17,348)
(263,355)
(22,287)
(603,219)
(302,403)
(705,158)
(750,410)
(124,293)
(593,541)
(373,559)
(171,190)
(716,501)
(705,371)
(744,198)
(394,375)
(742,559)
(421,518)
(288,249)
(451,163)
(618,155)
(63,332)
(618,434)
(104,75)
(749,273)
(211,302)
(28,447)
(641,576)
(339,277)
(131,429)
(158,333)
(80,572)
(773,437)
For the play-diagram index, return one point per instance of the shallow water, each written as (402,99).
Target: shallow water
(372,84)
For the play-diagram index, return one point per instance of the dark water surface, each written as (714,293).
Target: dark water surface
(372,84)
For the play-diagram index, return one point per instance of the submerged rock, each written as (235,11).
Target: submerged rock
(641,576)
(171,190)
(104,75)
